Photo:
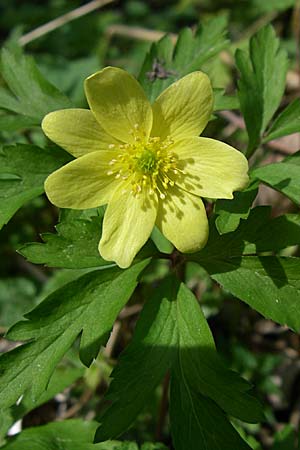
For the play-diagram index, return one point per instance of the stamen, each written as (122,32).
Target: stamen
(150,165)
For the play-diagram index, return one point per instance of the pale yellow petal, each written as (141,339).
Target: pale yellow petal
(211,168)
(77,131)
(184,108)
(182,219)
(127,225)
(119,103)
(82,183)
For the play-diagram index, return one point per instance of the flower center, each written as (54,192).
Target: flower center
(148,165)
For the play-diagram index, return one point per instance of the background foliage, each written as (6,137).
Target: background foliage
(252,253)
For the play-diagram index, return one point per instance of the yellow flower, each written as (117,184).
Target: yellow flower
(145,161)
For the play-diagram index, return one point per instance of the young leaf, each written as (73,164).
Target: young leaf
(23,170)
(88,305)
(230,212)
(173,331)
(166,63)
(283,176)
(287,122)
(29,94)
(262,82)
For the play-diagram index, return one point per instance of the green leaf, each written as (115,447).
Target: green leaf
(60,380)
(29,94)
(283,176)
(287,122)
(269,284)
(72,434)
(75,246)
(17,295)
(230,212)
(23,170)
(10,122)
(142,365)
(198,423)
(172,331)
(88,305)
(285,439)
(224,102)
(161,241)
(166,63)
(262,82)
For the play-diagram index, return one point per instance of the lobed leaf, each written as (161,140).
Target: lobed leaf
(28,93)
(166,63)
(88,305)
(262,82)
(269,284)
(283,176)
(23,170)
(287,122)
(172,334)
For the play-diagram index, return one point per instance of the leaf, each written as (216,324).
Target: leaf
(29,94)
(283,176)
(10,122)
(142,365)
(23,170)
(230,212)
(52,327)
(74,434)
(172,330)
(17,295)
(60,380)
(287,122)
(75,246)
(262,82)
(224,102)
(166,63)
(269,284)
(285,439)
(161,242)
(198,423)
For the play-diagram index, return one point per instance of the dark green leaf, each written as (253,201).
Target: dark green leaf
(287,122)
(258,234)
(285,439)
(142,365)
(173,331)
(72,434)
(60,380)
(283,176)
(23,170)
(269,284)
(29,93)
(166,63)
(197,423)
(88,305)
(230,212)
(262,82)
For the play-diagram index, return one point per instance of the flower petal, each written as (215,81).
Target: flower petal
(182,219)
(211,168)
(119,103)
(184,108)
(82,183)
(77,131)
(128,223)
